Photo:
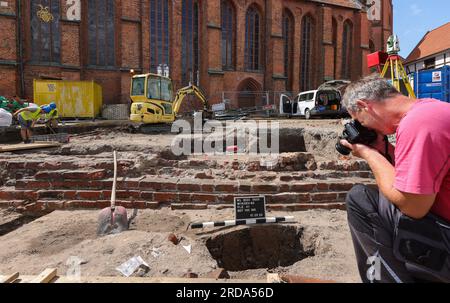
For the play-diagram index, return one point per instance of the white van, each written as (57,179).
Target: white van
(326,101)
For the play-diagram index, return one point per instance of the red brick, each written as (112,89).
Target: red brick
(165,197)
(284,188)
(147,195)
(184,197)
(50,194)
(190,187)
(301,188)
(341,186)
(150,185)
(89,195)
(49,175)
(207,198)
(15,165)
(225,198)
(129,184)
(323,186)
(323,197)
(226,188)
(32,185)
(264,188)
(85,175)
(245,188)
(207,188)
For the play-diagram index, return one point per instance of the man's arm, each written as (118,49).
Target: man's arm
(412,205)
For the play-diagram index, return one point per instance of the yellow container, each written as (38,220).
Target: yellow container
(74,99)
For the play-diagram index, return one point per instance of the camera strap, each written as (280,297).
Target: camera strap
(386,149)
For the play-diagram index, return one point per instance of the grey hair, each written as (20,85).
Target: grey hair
(371,88)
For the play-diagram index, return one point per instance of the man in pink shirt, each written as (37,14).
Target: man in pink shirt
(401,230)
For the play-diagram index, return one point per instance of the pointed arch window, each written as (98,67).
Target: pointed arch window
(159,33)
(347,44)
(45,36)
(253,38)
(288,38)
(228,35)
(306,78)
(190,55)
(101,32)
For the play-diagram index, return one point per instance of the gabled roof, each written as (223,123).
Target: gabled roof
(434,42)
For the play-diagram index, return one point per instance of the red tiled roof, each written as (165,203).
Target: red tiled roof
(435,41)
(345,3)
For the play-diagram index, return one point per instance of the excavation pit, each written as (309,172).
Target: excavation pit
(257,247)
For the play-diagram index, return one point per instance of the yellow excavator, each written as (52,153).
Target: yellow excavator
(153,100)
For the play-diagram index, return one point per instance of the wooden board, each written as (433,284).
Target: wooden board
(10,279)
(46,276)
(19,147)
(63,279)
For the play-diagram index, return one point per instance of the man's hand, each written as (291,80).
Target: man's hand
(359,150)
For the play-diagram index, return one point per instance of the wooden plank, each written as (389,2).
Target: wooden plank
(19,147)
(145,280)
(10,279)
(46,276)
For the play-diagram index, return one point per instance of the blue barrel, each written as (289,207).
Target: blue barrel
(433,83)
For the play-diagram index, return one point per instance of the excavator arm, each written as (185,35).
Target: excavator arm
(189,90)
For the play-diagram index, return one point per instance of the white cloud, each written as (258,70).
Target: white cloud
(415,9)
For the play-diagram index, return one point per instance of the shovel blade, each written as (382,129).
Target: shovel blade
(112,222)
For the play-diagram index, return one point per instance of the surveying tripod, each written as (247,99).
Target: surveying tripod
(394,62)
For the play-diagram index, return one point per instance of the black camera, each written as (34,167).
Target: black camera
(355,133)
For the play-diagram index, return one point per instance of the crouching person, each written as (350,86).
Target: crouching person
(401,231)
(51,118)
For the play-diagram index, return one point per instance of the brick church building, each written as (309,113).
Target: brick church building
(229,45)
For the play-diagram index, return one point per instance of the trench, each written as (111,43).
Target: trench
(268,246)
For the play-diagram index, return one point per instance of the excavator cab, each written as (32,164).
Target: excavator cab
(152,97)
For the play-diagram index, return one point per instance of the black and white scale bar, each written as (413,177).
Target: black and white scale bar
(243,222)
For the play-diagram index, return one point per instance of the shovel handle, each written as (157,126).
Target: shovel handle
(113,192)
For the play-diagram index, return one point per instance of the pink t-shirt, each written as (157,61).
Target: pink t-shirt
(422,154)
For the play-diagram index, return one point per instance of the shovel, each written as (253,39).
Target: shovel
(113,219)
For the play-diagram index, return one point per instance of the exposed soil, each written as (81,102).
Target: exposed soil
(318,246)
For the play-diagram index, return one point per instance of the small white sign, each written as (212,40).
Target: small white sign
(374,12)
(437,77)
(3,4)
(219,107)
(73,10)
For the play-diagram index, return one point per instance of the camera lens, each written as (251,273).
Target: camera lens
(343,150)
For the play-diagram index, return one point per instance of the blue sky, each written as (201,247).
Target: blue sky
(413,18)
